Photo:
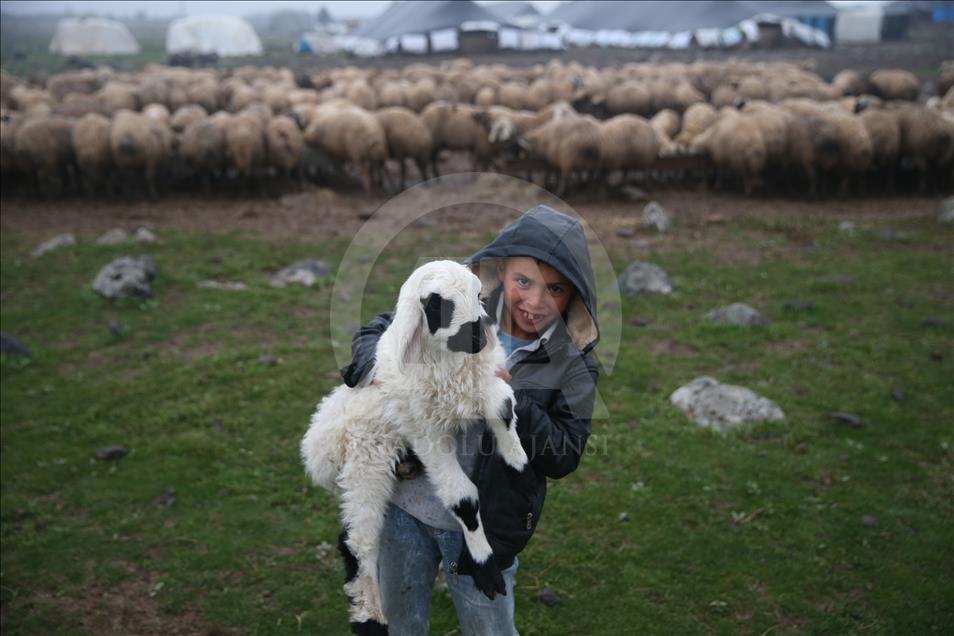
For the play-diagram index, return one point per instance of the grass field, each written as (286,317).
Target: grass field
(752,533)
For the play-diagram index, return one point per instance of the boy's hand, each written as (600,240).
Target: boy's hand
(504,375)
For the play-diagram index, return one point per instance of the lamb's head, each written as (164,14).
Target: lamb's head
(439,310)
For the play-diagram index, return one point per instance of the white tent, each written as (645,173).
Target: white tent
(859,25)
(223,35)
(92,36)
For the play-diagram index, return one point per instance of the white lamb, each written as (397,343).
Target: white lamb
(434,374)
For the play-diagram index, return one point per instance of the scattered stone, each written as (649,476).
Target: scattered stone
(641,278)
(126,277)
(323,550)
(738,314)
(226,285)
(934,322)
(167,498)
(655,215)
(937,356)
(145,235)
(850,419)
(888,234)
(641,244)
(640,322)
(267,360)
(625,232)
(623,517)
(946,214)
(836,279)
(304,272)
(799,305)
(847,227)
(869,521)
(897,395)
(109,453)
(115,327)
(548,597)
(217,426)
(11,346)
(58,241)
(715,218)
(114,236)
(723,407)
(637,195)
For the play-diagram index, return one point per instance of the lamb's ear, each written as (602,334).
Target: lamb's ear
(408,323)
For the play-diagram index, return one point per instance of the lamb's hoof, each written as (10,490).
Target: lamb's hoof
(369,628)
(486,575)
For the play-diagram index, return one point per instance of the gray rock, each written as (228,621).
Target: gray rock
(934,322)
(111,452)
(127,277)
(167,498)
(723,407)
(850,419)
(548,597)
(114,236)
(946,214)
(847,227)
(738,314)
(642,278)
(305,272)
(10,346)
(226,285)
(115,327)
(144,235)
(869,521)
(267,360)
(58,241)
(897,394)
(633,193)
(655,215)
(625,232)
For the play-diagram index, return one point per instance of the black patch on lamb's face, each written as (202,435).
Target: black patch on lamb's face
(466,511)
(470,338)
(506,412)
(439,312)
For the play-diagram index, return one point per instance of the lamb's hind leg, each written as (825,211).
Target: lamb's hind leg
(366,488)
(502,421)
(459,495)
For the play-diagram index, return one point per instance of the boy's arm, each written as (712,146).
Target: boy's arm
(364,344)
(554,438)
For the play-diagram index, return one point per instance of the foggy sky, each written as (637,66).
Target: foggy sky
(160,8)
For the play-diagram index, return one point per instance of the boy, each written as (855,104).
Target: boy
(538,286)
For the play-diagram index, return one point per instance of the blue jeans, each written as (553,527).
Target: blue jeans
(407,565)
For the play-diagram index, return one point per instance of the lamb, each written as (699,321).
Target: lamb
(895,84)
(44,147)
(285,146)
(408,138)
(350,134)
(92,149)
(434,375)
(627,142)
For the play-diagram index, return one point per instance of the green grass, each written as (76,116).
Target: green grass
(750,533)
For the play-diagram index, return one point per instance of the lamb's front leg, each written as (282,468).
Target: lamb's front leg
(502,421)
(438,453)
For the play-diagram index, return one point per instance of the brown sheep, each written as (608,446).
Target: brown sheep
(458,127)
(849,83)
(736,145)
(695,121)
(92,149)
(568,144)
(117,96)
(629,97)
(245,143)
(203,148)
(350,134)
(885,135)
(627,142)
(184,116)
(927,142)
(895,84)
(44,147)
(205,93)
(138,143)
(666,125)
(408,138)
(285,146)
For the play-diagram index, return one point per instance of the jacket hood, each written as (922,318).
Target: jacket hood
(559,241)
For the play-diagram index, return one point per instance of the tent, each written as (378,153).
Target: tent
(92,36)
(814,13)
(872,23)
(223,35)
(522,14)
(423,17)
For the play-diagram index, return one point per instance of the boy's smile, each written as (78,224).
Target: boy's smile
(535,294)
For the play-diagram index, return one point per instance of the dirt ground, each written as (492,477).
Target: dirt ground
(480,205)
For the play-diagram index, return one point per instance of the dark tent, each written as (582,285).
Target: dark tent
(423,17)
(814,13)
(652,16)
(510,11)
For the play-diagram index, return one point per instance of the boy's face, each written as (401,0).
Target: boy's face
(535,295)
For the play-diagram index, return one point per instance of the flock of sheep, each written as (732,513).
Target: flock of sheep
(762,125)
